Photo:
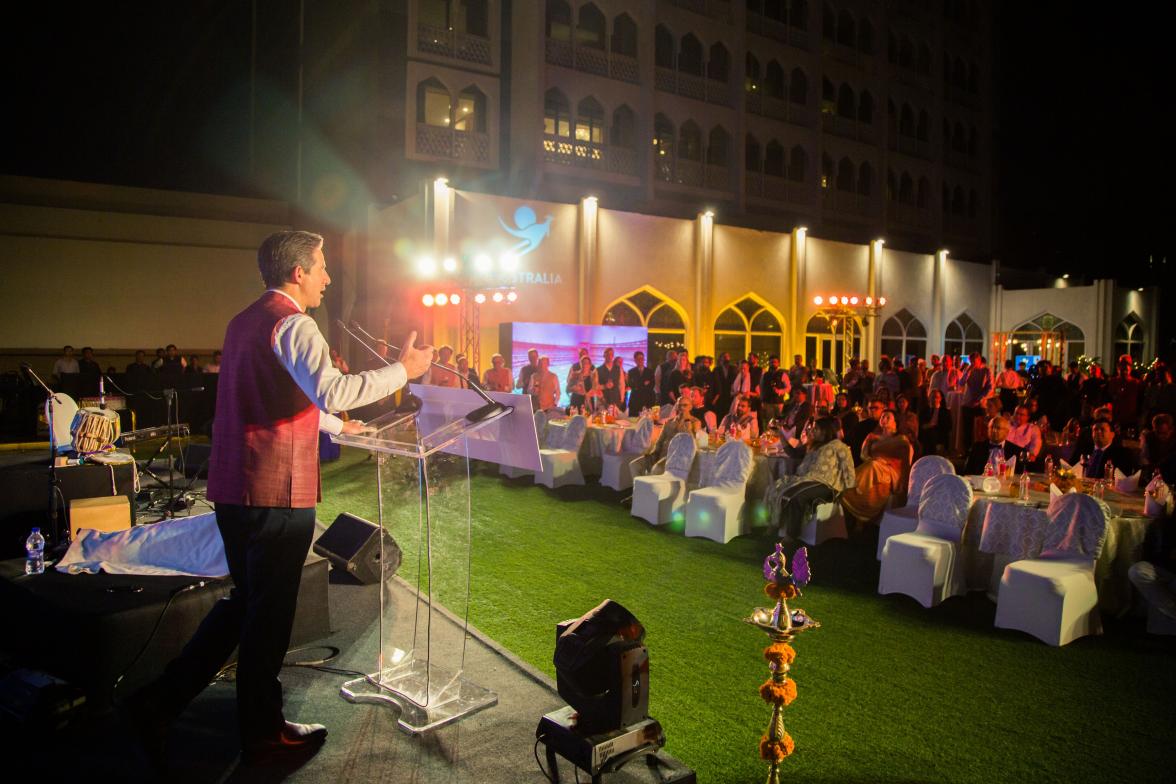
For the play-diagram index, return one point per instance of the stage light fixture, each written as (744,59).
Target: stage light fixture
(449,265)
(480,298)
(497,296)
(853,300)
(845,300)
(881,302)
(426,266)
(441,300)
(869,300)
(512,296)
(483,262)
(427,300)
(818,300)
(509,262)
(454,299)
(1066,276)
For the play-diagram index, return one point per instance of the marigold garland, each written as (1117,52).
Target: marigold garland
(780,590)
(776,750)
(778,693)
(780,653)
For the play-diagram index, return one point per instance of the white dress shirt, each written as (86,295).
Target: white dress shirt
(304,352)
(1028,437)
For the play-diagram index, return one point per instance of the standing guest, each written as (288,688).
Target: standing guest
(907,421)
(66,364)
(742,384)
(1026,434)
(157,363)
(497,377)
(822,392)
(704,376)
(935,424)
(545,385)
(798,373)
(640,383)
(139,367)
(526,374)
(580,383)
(724,377)
(661,378)
(610,380)
(945,378)
(1159,394)
(742,422)
(774,388)
(1156,445)
(194,365)
(1052,392)
(1124,391)
(682,375)
(276,387)
(849,382)
(1094,391)
(173,360)
(87,365)
(977,386)
(825,471)
(468,375)
(1106,450)
(886,379)
(1007,384)
(757,374)
(447,377)
(215,365)
(992,450)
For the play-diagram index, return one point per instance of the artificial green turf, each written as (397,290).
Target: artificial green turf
(888,691)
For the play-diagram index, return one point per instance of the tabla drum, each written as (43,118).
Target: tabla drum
(94,430)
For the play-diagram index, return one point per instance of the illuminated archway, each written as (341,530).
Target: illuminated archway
(647,307)
(749,326)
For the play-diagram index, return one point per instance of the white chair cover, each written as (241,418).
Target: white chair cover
(561,463)
(573,435)
(541,427)
(944,506)
(615,469)
(1077,528)
(715,511)
(680,455)
(638,439)
(924,469)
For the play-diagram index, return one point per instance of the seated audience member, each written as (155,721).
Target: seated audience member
(825,472)
(1156,445)
(66,364)
(544,385)
(862,430)
(87,365)
(935,425)
(699,410)
(640,383)
(1155,575)
(886,461)
(445,378)
(497,377)
(1105,451)
(214,365)
(823,393)
(741,423)
(1026,434)
(992,449)
(908,421)
(468,374)
(844,413)
(980,424)
(796,415)
(680,421)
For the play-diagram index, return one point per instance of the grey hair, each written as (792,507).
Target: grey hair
(282,251)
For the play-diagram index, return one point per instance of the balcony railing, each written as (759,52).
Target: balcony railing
(848,128)
(843,53)
(566,151)
(770,186)
(780,109)
(909,145)
(960,160)
(961,96)
(462,146)
(848,202)
(910,215)
(960,225)
(778,31)
(450,43)
(693,173)
(714,9)
(592,60)
(697,87)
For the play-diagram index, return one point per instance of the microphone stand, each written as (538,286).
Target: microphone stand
(54,485)
(491,407)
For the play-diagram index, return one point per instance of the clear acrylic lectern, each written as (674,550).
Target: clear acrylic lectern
(423,487)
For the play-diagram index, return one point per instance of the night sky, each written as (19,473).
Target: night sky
(158,96)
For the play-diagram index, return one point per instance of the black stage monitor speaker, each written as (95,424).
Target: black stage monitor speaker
(351,543)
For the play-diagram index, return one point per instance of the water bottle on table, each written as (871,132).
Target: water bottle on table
(35,549)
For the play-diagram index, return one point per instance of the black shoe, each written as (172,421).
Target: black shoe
(293,740)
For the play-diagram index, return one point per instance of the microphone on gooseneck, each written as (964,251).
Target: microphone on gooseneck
(102,392)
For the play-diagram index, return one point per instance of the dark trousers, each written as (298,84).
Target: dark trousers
(968,416)
(799,501)
(265,548)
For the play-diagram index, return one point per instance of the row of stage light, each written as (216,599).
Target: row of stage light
(839,300)
(482,264)
(441,299)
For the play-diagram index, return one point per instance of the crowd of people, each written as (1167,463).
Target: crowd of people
(167,360)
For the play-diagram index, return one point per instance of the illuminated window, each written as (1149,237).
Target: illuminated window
(471,111)
(748,327)
(661,316)
(589,121)
(1129,338)
(904,337)
(559,20)
(963,336)
(433,104)
(556,114)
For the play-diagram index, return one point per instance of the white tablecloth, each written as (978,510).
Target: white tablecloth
(599,439)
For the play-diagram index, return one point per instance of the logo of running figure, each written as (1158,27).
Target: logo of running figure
(527,230)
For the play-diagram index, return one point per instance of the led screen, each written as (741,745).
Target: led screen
(562,343)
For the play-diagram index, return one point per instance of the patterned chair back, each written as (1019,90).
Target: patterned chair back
(574,433)
(1077,528)
(680,455)
(924,469)
(944,506)
(639,438)
(732,465)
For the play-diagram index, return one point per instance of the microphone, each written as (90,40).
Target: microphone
(102,392)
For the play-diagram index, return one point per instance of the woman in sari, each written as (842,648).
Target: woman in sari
(887,461)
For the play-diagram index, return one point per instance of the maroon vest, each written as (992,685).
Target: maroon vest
(265,435)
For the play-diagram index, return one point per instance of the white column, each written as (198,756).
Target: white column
(586,259)
(703,274)
(795,291)
(939,268)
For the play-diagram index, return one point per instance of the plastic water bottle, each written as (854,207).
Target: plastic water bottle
(1025,487)
(1049,468)
(35,548)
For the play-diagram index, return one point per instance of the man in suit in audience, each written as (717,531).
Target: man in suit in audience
(1107,450)
(991,451)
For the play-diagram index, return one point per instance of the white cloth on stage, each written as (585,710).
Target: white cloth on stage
(189,545)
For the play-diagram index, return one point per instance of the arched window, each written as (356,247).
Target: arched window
(751,154)
(904,336)
(749,326)
(963,336)
(591,27)
(798,87)
(774,81)
(924,66)
(865,180)
(590,121)
(906,121)
(690,55)
(557,115)
(471,110)
(624,128)
(1129,338)
(624,37)
(845,175)
(433,104)
(829,344)
(865,37)
(690,142)
(718,147)
(923,129)
(774,159)
(663,147)
(798,164)
(906,189)
(923,196)
(468,17)
(828,22)
(798,14)
(846,29)
(649,308)
(559,20)
(718,66)
(751,73)
(1035,338)
(663,47)
(866,108)
(891,185)
(846,105)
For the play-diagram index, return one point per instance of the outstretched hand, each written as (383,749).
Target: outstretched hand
(354,427)
(415,359)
